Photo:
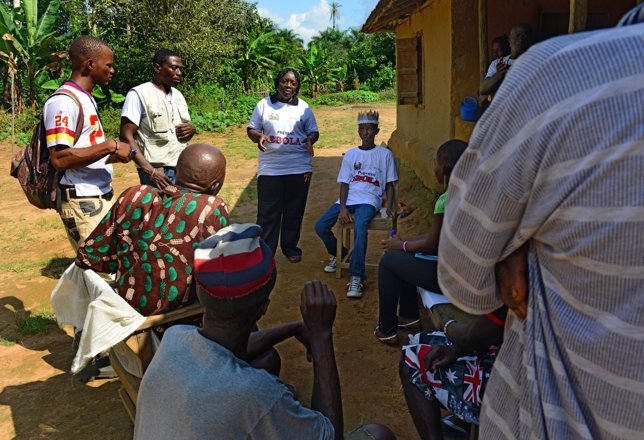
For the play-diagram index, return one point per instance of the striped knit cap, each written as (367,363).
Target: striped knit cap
(233,263)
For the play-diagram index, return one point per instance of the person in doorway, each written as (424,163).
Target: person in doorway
(520,41)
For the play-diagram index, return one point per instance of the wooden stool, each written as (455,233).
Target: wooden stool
(378,223)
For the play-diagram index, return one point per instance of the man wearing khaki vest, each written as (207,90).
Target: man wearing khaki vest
(155,117)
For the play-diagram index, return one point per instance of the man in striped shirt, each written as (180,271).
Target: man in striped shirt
(557,163)
(86,184)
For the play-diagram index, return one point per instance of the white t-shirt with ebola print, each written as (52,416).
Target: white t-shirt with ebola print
(367,172)
(287,126)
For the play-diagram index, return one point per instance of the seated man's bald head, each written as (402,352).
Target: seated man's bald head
(201,167)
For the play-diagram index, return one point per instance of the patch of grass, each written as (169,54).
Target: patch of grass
(248,195)
(6,342)
(20,266)
(52,267)
(27,234)
(40,322)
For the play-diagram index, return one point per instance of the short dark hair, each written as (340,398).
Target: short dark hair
(283,72)
(525,27)
(85,47)
(450,152)
(162,55)
(504,42)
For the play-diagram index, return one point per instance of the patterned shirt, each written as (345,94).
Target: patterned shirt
(557,160)
(148,238)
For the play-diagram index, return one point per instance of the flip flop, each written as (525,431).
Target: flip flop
(385,339)
(409,324)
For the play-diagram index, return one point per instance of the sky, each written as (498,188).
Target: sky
(308,17)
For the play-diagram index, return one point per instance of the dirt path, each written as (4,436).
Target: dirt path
(38,399)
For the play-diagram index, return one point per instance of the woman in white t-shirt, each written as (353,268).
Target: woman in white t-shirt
(284,129)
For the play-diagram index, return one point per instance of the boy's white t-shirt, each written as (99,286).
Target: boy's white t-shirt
(491,71)
(287,126)
(367,172)
(60,114)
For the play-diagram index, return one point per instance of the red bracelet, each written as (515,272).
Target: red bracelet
(405,245)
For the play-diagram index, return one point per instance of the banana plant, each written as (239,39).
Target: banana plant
(28,39)
(101,94)
(258,56)
(316,68)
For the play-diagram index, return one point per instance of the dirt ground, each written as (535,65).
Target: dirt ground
(40,399)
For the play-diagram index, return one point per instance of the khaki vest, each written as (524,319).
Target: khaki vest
(156,135)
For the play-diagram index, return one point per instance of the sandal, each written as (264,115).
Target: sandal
(385,339)
(409,323)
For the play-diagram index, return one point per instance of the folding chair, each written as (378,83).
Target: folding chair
(131,357)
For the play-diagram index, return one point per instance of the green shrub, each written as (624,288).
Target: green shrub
(235,112)
(385,77)
(388,94)
(350,97)
(329,100)
(111,118)
(25,124)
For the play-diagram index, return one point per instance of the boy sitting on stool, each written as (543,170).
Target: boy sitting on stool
(366,173)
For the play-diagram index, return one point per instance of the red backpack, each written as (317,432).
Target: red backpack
(32,166)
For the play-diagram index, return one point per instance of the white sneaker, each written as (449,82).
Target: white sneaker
(332,265)
(355,287)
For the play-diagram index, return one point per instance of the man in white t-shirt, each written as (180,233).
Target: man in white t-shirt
(86,185)
(366,174)
(155,117)
(520,40)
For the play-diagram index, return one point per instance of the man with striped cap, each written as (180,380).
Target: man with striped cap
(204,383)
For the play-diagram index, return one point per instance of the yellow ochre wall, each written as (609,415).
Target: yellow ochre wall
(450,65)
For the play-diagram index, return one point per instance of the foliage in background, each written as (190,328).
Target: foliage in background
(230,53)
(350,97)
(29,43)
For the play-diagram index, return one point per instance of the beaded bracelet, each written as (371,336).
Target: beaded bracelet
(405,246)
(447,324)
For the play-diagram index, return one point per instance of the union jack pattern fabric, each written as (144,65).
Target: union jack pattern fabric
(458,387)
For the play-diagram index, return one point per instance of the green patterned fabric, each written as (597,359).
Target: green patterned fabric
(147,239)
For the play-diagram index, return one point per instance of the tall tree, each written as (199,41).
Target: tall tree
(335,12)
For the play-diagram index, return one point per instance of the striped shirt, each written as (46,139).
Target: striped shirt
(558,161)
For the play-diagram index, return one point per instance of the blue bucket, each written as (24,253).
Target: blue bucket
(469,108)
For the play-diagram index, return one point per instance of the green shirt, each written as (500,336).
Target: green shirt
(439,207)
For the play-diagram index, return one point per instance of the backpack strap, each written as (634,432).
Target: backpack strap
(81,116)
